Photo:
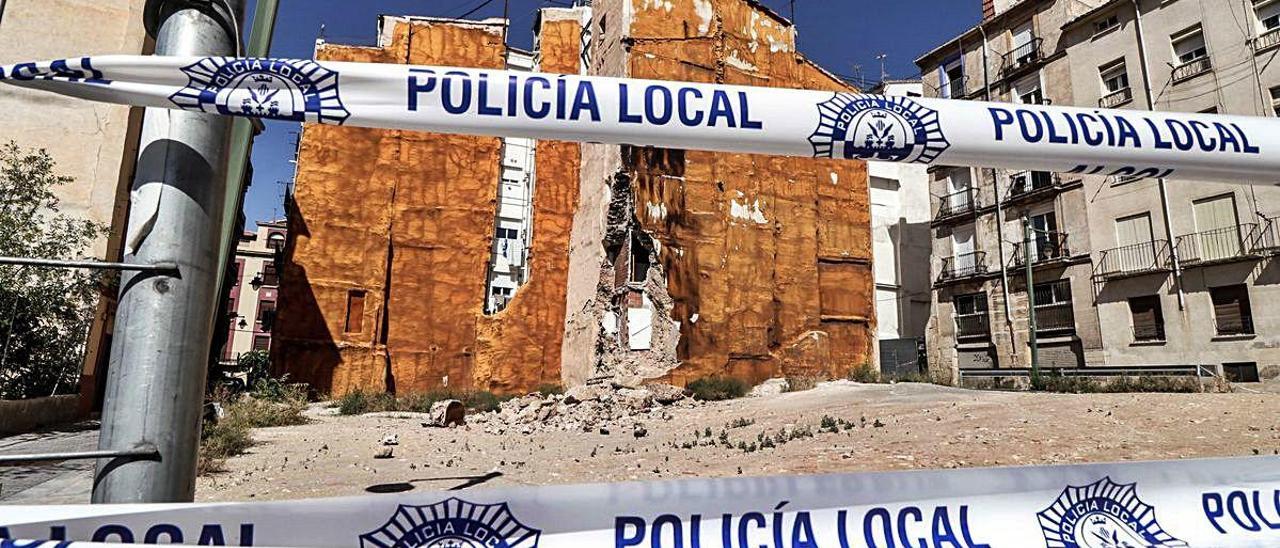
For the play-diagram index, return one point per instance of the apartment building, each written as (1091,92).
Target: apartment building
(251,303)
(1126,271)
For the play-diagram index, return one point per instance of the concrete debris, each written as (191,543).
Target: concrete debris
(383,453)
(391,439)
(594,408)
(447,413)
(771,387)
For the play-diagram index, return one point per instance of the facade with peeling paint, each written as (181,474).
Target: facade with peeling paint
(638,263)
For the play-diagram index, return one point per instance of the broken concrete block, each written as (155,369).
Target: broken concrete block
(665,394)
(584,393)
(447,413)
(771,387)
(383,453)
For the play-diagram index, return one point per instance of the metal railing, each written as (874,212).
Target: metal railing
(1131,259)
(1023,56)
(956,203)
(1047,246)
(972,326)
(1191,69)
(1237,326)
(963,266)
(1266,237)
(1151,333)
(1055,317)
(1267,41)
(1116,98)
(1025,182)
(1222,244)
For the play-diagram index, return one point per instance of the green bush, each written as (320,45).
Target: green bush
(220,441)
(717,388)
(865,373)
(1116,385)
(549,389)
(355,402)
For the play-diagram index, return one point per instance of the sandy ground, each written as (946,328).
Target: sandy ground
(921,426)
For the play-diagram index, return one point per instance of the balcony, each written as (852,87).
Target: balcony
(1022,57)
(1047,247)
(1266,41)
(956,204)
(1134,260)
(1265,240)
(1117,98)
(973,326)
(965,265)
(1191,69)
(1216,246)
(954,89)
(1032,185)
(1056,317)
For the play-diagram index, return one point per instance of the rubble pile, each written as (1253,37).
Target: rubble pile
(591,408)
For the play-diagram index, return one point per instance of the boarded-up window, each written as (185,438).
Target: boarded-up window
(269,277)
(1148,319)
(355,311)
(267,314)
(1231,310)
(262,343)
(846,290)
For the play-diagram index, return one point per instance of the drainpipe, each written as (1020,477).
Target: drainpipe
(1164,193)
(995,183)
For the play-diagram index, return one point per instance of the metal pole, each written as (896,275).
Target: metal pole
(164,323)
(143,452)
(94,265)
(1031,303)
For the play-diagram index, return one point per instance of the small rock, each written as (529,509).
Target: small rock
(640,431)
(383,453)
(665,394)
(447,413)
(584,393)
(771,387)
(391,439)
(604,431)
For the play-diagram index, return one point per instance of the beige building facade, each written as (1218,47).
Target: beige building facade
(96,144)
(1127,271)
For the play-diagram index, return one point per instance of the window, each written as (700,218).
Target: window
(639,261)
(1105,24)
(1231,311)
(1053,310)
(1275,100)
(1115,77)
(355,312)
(1148,319)
(269,276)
(1241,371)
(1189,45)
(1268,15)
(266,314)
(262,343)
(1046,242)
(1028,91)
(971,315)
(275,241)
(953,81)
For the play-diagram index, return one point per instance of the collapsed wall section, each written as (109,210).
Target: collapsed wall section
(732,264)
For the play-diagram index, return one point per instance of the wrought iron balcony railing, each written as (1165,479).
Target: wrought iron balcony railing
(956,203)
(1218,245)
(1129,260)
(973,326)
(964,265)
(1117,98)
(1266,238)
(1191,69)
(1024,55)
(1055,317)
(1045,247)
(1268,40)
(1023,183)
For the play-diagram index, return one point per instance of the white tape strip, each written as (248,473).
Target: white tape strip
(681,115)
(1211,503)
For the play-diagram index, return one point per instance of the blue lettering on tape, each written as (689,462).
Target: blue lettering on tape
(276,89)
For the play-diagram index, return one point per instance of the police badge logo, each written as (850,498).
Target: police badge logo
(453,523)
(276,89)
(1104,514)
(871,127)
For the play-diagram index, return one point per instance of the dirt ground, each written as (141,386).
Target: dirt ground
(879,427)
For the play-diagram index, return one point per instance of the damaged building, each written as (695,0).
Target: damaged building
(418,260)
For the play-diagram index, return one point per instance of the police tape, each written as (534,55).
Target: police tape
(1206,503)
(790,122)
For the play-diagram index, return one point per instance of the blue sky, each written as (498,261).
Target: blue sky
(841,35)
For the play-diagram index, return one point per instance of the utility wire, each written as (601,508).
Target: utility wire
(477,8)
